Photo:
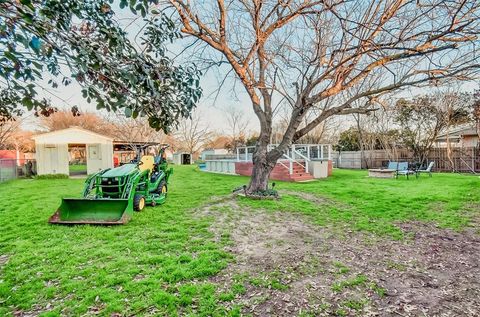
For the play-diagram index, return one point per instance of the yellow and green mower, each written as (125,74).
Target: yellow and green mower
(111,196)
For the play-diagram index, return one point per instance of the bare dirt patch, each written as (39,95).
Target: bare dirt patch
(3,259)
(471,210)
(287,266)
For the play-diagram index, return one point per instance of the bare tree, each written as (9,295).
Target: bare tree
(322,133)
(476,112)
(366,140)
(455,109)
(191,134)
(217,141)
(12,137)
(310,53)
(316,135)
(22,141)
(65,119)
(237,124)
(8,129)
(382,123)
(135,131)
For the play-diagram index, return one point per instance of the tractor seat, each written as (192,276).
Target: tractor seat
(147,163)
(155,176)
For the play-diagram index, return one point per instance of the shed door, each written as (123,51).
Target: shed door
(186,159)
(94,152)
(56,159)
(51,158)
(94,158)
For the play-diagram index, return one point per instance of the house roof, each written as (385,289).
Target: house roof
(129,146)
(214,149)
(71,129)
(458,133)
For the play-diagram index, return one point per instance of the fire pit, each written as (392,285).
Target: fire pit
(381,173)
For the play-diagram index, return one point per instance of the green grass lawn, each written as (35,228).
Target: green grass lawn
(375,205)
(160,262)
(77,168)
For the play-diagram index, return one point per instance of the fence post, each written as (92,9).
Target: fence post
(238,154)
(473,160)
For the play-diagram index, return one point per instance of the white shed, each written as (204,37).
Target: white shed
(52,150)
(182,158)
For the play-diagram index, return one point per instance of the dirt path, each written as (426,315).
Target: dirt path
(286,266)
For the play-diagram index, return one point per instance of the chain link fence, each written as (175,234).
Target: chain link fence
(17,168)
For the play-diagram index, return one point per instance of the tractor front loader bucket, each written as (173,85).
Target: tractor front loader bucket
(93,211)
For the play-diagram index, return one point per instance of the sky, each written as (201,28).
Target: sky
(211,107)
(215,101)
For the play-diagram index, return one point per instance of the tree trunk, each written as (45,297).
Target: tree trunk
(361,142)
(262,167)
(478,127)
(476,115)
(260,174)
(264,161)
(449,151)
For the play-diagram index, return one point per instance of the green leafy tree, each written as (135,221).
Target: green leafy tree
(83,41)
(423,118)
(349,141)
(252,140)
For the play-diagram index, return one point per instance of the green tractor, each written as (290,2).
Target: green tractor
(112,195)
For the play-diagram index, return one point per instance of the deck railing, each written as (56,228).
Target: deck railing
(300,154)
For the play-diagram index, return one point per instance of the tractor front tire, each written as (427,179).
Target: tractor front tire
(138,202)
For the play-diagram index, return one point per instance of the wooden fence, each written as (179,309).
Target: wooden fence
(464,160)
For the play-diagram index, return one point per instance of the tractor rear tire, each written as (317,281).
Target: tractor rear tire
(162,188)
(138,202)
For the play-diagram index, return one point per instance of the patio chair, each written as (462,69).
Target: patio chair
(392,165)
(427,170)
(402,169)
